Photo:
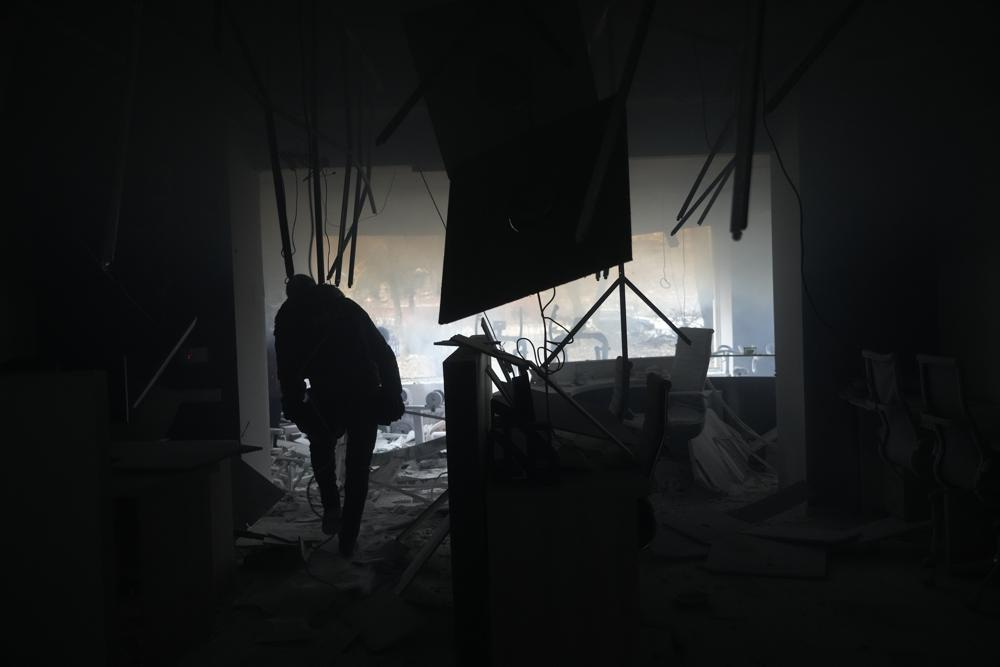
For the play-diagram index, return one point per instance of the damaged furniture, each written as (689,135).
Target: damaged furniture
(173,531)
(569,546)
(905,448)
(686,401)
(966,467)
(59,579)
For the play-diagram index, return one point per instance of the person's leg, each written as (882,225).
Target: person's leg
(322,443)
(360,445)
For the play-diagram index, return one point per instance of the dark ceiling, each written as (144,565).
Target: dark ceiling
(681,94)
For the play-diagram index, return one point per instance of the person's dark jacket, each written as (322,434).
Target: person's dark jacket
(332,341)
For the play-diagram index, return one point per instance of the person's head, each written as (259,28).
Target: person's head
(300,286)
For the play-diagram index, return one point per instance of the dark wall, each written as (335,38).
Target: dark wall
(895,126)
(62,119)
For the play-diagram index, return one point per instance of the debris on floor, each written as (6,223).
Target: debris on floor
(770,535)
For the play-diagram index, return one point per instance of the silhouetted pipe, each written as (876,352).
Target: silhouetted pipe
(359,203)
(314,148)
(716,147)
(715,195)
(272,145)
(746,122)
(786,86)
(712,187)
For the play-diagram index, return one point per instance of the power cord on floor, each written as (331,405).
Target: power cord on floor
(307,561)
(309,499)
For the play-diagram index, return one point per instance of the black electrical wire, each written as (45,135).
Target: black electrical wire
(664,281)
(701,88)
(311,237)
(295,215)
(802,241)
(309,499)
(311,126)
(433,201)
(546,320)
(326,215)
(308,560)
(517,347)
(545,329)
(545,355)
(385,200)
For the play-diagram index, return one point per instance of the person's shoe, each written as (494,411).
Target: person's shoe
(331,521)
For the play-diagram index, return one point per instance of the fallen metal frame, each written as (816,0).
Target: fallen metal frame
(619,284)
(459,340)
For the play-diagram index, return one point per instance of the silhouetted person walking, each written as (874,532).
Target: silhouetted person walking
(323,337)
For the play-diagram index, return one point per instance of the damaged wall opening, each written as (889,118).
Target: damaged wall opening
(695,277)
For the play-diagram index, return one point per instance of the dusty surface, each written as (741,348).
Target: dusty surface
(874,606)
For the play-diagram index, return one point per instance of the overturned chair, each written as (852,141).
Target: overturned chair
(905,448)
(686,400)
(966,467)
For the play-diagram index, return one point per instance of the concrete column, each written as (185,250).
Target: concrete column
(788,339)
(722,263)
(248,296)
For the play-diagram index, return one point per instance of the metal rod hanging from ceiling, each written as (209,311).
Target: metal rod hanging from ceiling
(369,149)
(746,121)
(348,162)
(272,143)
(783,90)
(713,187)
(715,195)
(314,146)
(359,193)
(716,147)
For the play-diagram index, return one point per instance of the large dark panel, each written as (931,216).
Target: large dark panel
(513,212)
(492,71)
